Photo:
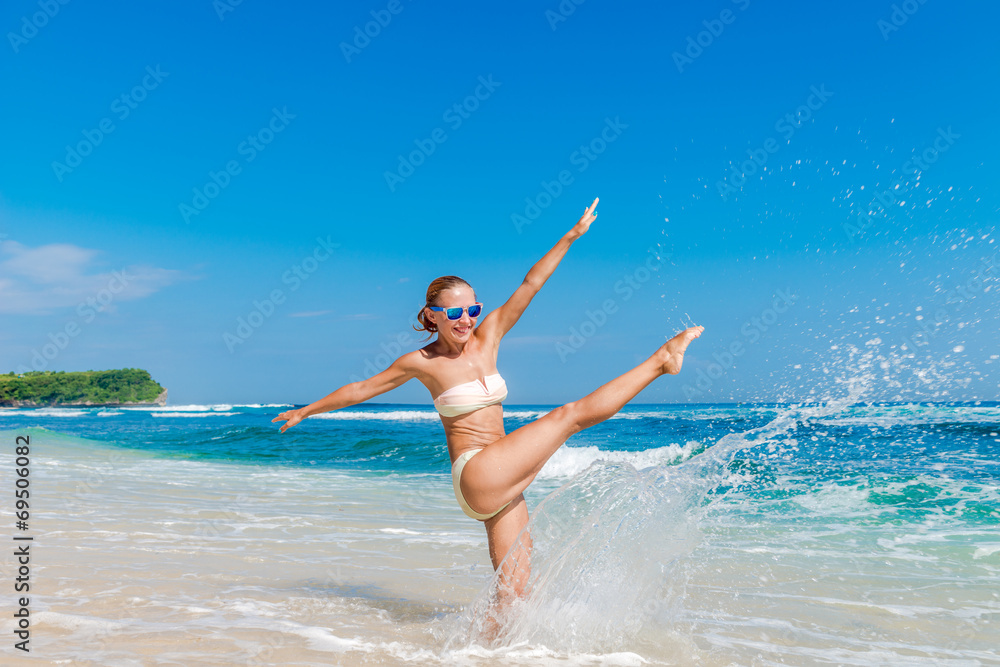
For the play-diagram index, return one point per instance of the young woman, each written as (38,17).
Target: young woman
(491,469)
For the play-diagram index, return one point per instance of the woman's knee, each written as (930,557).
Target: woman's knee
(568,417)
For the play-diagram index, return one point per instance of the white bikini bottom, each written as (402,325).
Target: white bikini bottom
(456,479)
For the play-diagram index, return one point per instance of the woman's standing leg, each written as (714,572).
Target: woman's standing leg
(503,531)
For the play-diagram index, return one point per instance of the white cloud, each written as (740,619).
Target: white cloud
(48,264)
(61,275)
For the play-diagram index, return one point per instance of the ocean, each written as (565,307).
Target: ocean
(826,534)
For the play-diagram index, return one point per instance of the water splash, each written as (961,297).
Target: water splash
(610,547)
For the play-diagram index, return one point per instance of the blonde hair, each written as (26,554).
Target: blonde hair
(434,290)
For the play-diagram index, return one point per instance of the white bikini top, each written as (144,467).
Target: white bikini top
(471,396)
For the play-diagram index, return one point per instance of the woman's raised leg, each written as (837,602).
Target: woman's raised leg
(499,473)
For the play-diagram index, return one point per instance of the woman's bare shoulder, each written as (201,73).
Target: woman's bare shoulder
(420,362)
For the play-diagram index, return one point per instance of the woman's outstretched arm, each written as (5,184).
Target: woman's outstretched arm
(351,394)
(500,321)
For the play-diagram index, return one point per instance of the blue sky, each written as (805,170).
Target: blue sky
(217,156)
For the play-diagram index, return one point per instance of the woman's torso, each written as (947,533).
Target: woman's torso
(477,428)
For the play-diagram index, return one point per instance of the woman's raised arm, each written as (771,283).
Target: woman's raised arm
(501,320)
(398,372)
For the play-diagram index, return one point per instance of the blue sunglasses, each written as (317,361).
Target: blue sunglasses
(456,312)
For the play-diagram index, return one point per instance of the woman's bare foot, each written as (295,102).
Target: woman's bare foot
(672,352)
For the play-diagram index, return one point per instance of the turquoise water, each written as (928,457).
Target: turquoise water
(717,534)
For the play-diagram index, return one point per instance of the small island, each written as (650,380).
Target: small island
(125,386)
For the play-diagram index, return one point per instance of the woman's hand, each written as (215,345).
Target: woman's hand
(583,224)
(293,417)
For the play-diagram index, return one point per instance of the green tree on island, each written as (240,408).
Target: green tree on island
(125,385)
